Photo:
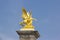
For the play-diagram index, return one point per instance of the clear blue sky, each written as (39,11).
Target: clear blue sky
(47,13)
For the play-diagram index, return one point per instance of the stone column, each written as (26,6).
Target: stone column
(28,35)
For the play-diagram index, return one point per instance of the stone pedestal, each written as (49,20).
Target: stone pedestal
(28,35)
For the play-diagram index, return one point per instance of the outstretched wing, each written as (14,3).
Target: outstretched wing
(31,16)
(24,13)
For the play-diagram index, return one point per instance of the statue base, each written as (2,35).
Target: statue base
(27,29)
(28,35)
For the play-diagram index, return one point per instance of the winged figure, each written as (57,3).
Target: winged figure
(27,18)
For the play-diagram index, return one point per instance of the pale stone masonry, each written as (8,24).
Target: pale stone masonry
(28,35)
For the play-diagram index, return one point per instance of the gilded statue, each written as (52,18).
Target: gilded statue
(27,20)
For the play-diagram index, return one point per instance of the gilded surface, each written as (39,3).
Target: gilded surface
(27,20)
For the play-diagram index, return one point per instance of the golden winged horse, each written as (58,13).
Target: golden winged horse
(27,19)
